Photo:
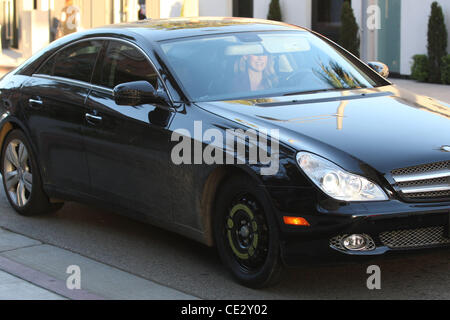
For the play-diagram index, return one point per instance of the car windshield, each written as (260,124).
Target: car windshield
(252,64)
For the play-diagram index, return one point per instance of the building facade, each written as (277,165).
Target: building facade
(28,25)
(392,31)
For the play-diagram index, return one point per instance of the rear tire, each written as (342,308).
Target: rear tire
(21,177)
(246,233)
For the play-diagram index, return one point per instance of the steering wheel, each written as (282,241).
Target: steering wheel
(295,78)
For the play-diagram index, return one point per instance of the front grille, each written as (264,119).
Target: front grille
(422,183)
(430,195)
(415,238)
(423,168)
(426,182)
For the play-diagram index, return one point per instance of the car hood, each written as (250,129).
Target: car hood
(387,127)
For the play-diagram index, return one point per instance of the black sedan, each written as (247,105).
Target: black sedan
(263,139)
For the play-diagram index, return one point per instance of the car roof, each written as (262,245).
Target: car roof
(153,30)
(166,29)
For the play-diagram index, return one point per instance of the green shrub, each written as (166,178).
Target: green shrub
(275,11)
(445,71)
(349,38)
(437,42)
(420,67)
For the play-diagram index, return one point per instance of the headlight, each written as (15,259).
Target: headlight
(336,182)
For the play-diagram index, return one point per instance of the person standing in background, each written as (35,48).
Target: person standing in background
(141,12)
(55,29)
(70,19)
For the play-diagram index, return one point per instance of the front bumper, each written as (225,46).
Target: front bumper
(393,225)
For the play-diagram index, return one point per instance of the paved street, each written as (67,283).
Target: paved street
(185,266)
(31,269)
(133,254)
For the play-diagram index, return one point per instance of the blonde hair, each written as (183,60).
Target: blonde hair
(269,75)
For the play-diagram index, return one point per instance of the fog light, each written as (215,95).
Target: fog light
(355,242)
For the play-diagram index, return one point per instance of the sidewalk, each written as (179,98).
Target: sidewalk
(31,270)
(13,288)
(437,91)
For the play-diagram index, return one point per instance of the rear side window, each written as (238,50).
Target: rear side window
(76,62)
(124,63)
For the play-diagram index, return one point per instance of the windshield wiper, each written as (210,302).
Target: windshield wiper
(317,91)
(325,99)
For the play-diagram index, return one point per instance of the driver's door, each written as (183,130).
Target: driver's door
(127,150)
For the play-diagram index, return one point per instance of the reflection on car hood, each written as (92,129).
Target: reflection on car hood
(387,128)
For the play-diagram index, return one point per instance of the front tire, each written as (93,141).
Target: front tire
(21,177)
(246,234)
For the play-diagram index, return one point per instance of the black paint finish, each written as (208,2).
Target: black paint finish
(91,149)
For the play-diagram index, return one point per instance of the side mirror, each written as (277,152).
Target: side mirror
(379,67)
(137,93)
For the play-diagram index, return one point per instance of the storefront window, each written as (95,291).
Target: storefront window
(126,10)
(9,23)
(243,8)
(326,17)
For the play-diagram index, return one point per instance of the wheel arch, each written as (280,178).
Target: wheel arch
(11,123)
(6,128)
(210,193)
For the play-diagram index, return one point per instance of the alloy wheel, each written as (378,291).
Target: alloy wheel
(17,173)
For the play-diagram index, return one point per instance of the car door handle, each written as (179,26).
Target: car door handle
(35,103)
(93,119)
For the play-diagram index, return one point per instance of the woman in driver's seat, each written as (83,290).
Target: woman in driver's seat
(255,73)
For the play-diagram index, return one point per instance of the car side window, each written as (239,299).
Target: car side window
(124,63)
(76,62)
(47,67)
